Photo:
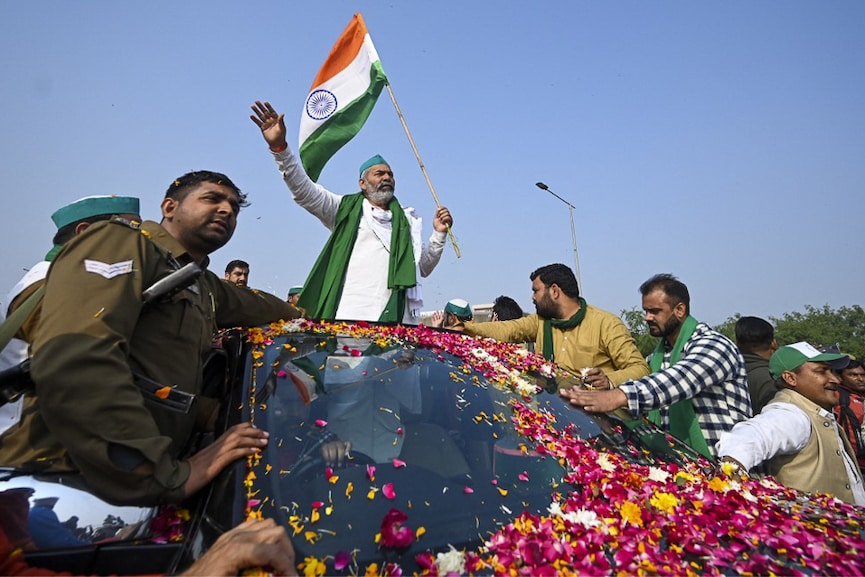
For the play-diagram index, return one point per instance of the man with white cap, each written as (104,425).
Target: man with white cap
(71,220)
(368,269)
(796,434)
(455,314)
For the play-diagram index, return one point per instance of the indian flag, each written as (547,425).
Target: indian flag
(341,98)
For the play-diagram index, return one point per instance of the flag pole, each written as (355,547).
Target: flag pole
(420,162)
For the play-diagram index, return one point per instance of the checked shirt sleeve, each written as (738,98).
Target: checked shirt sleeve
(708,361)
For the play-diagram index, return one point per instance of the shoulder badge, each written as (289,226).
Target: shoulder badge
(133,224)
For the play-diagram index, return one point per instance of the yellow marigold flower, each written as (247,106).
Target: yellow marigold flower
(631,513)
(348,488)
(718,484)
(313,567)
(371,571)
(311,536)
(315,516)
(664,502)
(420,531)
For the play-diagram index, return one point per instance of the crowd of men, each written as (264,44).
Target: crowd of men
(119,307)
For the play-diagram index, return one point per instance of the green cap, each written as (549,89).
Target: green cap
(94,206)
(460,308)
(295,290)
(792,357)
(377,159)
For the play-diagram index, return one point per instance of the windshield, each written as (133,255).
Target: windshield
(429,436)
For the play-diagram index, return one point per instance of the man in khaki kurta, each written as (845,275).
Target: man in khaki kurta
(96,330)
(583,336)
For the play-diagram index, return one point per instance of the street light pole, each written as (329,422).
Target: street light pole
(571,207)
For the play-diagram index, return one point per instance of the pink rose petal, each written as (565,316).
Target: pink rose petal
(397,464)
(388,491)
(341,560)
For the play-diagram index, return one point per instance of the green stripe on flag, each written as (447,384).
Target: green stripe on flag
(335,132)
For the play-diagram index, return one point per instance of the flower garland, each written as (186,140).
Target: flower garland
(611,514)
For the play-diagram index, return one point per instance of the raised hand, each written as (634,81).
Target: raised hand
(442,219)
(271,123)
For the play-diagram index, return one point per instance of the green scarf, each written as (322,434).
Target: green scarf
(683,420)
(323,288)
(570,323)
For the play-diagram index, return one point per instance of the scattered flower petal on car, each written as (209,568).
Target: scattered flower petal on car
(341,560)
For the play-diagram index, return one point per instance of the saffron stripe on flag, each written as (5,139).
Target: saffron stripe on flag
(342,97)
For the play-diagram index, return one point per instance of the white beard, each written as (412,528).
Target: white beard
(379,197)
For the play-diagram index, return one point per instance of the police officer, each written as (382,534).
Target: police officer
(71,220)
(96,333)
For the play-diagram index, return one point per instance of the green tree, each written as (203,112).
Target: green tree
(633,319)
(824,326)
(728,327)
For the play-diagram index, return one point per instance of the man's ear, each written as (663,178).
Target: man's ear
(81,227)
(362,183)
(554,291)
(680,310)
(789,378)
(169,207)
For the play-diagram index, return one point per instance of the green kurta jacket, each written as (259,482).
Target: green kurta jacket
(602,340)
(94,332)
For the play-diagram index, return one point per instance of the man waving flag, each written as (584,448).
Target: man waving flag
(341,98)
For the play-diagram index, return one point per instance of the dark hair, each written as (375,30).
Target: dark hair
(559,275)
(236,263)
(753,334)
(66,233)
(853,364)
(183,185)
(506,308)
(675,290)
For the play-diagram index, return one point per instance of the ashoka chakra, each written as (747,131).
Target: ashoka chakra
(320,104)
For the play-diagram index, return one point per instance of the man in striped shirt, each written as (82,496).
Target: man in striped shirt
(698,388)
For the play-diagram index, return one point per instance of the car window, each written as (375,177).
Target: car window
(429,436)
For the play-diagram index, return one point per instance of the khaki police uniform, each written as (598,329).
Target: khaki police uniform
(95,331)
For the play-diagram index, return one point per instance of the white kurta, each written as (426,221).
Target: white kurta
(364,292)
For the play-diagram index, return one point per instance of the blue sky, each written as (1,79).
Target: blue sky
(722,142)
